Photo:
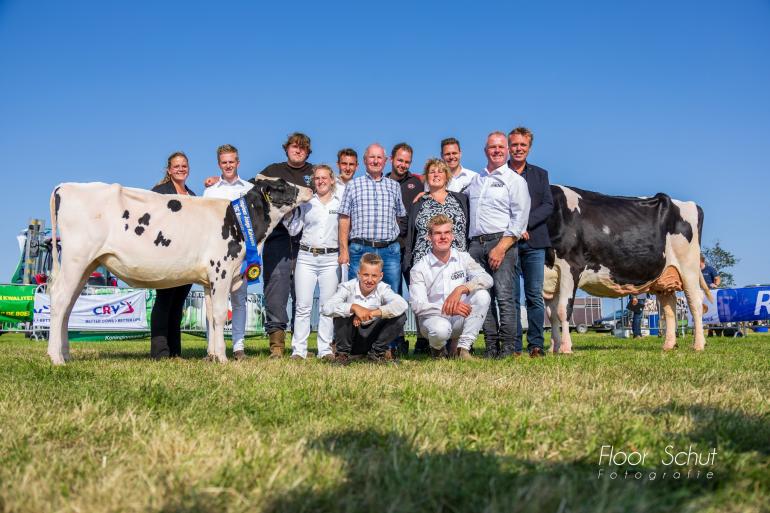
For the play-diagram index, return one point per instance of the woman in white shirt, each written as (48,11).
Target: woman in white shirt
(316,261)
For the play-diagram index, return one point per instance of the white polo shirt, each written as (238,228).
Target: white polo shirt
(317,222)
(431,280)
(498,202)
(349,293)
(228,190)
(461,181)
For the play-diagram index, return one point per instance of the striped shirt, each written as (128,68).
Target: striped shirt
(373,206)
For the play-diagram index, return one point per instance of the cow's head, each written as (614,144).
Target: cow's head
(270,199)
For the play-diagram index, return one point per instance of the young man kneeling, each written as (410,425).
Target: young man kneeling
(367,312)
(448,293)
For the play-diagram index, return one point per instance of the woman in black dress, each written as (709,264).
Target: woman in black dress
(165,332)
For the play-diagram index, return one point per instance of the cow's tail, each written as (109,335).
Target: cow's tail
(54,205)
(703,284)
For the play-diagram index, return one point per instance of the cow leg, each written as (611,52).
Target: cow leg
(694,297)
(567,290)
(217,319)
(64,292)
(667,302)
(555,323)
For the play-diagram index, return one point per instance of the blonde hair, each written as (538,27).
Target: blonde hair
(372,259)
(434,162)
(331,174)
(438,220)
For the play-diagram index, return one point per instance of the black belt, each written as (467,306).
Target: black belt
(488,236)
(318,251)
(373,243)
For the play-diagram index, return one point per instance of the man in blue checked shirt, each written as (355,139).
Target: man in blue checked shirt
(368,214)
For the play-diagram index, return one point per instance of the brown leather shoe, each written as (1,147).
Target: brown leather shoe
(277,343)
(297,357)
(438,353)
(239,355)
(327,358)
(341,359)
(536,353)
(464,354)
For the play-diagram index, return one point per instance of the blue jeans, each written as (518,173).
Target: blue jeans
(391,262)
(500,323)
(530,265)
(636,323)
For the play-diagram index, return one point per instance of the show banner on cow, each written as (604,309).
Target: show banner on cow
(16,302)
(113,312)
(739,305)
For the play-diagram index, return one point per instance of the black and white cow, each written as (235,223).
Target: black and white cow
(152,240)
(613,246)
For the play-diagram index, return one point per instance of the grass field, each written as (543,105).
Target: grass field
(114,431)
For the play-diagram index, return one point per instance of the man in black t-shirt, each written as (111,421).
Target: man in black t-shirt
(411,187)
(280,250)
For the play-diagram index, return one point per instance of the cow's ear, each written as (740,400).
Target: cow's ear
(252,181)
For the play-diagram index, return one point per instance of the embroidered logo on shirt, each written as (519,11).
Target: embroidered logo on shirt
(332,211)
(410,186)
(498,184)
(457,275)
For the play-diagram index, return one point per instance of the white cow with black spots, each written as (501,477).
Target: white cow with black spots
(157,241)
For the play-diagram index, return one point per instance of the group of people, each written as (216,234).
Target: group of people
(460,240)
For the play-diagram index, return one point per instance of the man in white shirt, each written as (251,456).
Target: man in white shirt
(366,311)
(498,200)
(448,293)
(231,187)
(451,154)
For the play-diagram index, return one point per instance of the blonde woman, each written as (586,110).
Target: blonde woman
(316,261)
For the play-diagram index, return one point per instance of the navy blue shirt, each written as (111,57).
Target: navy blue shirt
(541,205)
(709,274)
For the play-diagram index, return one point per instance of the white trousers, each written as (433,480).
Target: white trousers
(438,329)
(323,270)
(238,302)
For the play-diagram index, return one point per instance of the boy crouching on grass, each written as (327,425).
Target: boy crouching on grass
(448,292)
(367,313)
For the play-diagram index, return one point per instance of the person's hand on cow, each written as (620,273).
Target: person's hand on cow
(454,299)
(211,180)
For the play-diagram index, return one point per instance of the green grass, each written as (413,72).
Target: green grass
(114,431)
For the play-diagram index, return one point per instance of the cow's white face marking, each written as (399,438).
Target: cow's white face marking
(573,198)
(606,229)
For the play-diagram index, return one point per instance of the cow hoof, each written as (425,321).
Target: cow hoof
(215,358)
(699,348)
(669,348)
(57,360)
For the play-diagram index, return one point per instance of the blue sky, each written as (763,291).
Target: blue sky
(623,99)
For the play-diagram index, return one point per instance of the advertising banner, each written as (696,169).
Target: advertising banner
(113,312)
(16,302)
(738,305)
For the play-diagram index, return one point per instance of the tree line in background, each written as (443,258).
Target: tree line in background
(721,259)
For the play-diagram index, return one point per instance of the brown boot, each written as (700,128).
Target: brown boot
(277,343)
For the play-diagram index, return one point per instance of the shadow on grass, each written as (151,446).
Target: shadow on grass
(383,471)
(728,430)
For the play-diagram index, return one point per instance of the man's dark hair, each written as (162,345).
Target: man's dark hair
(448,141)
(401,146)
(347,152)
